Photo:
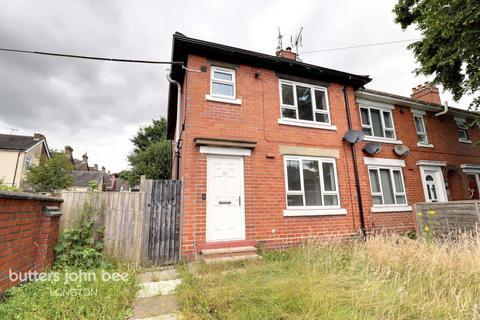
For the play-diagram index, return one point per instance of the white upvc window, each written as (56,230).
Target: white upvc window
(311,183)
(420,127)
(28,162)
(304,103)
(377,122)
(387,186)
(462,130)
(222,83)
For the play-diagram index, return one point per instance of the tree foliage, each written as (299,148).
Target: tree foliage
(51,174)
(450,48)
(150,155)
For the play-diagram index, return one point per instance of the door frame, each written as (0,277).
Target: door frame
(442,191)
(242,195)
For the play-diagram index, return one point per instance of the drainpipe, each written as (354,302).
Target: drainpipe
(16,168)
(177,125)
(355,166)
(445,110)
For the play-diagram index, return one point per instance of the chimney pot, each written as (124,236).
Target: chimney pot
(103,169)
(95,167)
(85,157)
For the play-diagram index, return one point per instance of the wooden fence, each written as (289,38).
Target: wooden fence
(448,218)
(141,227)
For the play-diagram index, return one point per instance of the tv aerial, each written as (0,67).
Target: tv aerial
(296,40)
(279,39)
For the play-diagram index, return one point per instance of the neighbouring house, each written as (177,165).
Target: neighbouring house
(259,145)
(17,154)
(84,175)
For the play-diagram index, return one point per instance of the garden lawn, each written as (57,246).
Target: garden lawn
(91,299)
(384,278)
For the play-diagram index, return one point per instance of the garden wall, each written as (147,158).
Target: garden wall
(28,234)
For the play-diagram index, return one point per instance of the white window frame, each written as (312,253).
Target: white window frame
(322,186)
(420,115)
(28,162)
(381,109)
(391,165)
(222,81)
(461,126)
(313,123)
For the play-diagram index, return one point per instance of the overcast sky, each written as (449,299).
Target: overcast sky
(95,107)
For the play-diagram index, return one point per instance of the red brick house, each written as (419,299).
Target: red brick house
(260,147)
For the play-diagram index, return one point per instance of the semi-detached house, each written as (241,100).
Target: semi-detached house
(259,144)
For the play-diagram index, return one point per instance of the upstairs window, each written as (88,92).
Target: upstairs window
(420,128)
(304,102)
(377,122)
(222,83)
(462,130)
(28,162)
(311,182)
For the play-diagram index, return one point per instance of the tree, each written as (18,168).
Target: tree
(51,174)
(150,155)
(450,48)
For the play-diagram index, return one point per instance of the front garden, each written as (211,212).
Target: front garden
(390,277)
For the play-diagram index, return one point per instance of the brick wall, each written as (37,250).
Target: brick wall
(27,235)
(256,119)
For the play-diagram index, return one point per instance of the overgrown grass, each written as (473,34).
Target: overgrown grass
(93,298)
(388,277)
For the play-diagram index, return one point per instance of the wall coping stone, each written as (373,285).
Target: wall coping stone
(27,196)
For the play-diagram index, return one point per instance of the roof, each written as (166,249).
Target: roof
(83,178)
(183,46)
(410,102)
(14,142)
(20,143)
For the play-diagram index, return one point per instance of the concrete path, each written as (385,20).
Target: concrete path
(155,299)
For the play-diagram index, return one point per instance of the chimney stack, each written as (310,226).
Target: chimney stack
(103,169)
(426,92)
(69,153)
(287,54)
(38,136)
(85,157)
(95,167)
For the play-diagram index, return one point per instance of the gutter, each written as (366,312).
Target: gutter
(177,125)
(355,166)
(16,169)
(445,110)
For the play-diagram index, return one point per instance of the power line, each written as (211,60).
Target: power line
(89,57)
(362,45)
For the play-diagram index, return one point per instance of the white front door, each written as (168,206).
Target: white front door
(433,184)
(225,200)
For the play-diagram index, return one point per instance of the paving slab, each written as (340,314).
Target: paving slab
(151,307)
(153,276)
(150,289)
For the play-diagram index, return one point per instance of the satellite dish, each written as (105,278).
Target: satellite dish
(372,148)
(354,136)
(401,150)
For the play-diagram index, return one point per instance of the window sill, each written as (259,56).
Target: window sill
(382,140)
(307,125)
(391,209)
(313,212)
(425,145)
(224,100)
(465,141)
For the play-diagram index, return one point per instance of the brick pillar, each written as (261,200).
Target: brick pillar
(46,239)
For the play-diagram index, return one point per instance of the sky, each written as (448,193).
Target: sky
(96,107)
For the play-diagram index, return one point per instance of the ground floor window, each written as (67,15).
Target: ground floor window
(387,186)
(473,180)
(311,182)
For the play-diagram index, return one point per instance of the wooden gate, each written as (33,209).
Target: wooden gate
(164,221)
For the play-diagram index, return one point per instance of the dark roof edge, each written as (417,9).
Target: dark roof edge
(410,101)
